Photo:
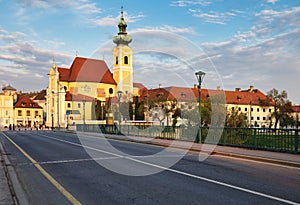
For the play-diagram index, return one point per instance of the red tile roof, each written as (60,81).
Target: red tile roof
(191,94)
(296,108)
(64,74)
(25,102)
(90,70)
(253,97)
(87,70)
(140,86)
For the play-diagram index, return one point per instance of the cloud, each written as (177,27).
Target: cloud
(272,1)
(288,18)
(167,28)
(83,6)
(114,20)
(20,57)
(264,55)
(213,16)
(185,3)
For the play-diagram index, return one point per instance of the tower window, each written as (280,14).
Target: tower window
(126,60)
(117,60)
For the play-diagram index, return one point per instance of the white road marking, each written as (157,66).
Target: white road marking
(75,160)
(182,173)
(94,159)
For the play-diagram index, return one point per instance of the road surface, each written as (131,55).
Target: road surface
(62,168)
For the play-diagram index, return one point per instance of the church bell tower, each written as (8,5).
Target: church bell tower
(122,55)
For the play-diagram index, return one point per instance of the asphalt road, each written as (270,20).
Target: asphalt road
(62,168)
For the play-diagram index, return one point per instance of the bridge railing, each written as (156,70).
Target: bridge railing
(283,140)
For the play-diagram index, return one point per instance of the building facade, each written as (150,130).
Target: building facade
(28,113)
(245,101)
(7,99)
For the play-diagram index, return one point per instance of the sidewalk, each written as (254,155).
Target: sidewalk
(280,158)
(5,194)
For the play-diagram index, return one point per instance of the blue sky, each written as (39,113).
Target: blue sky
(238,43)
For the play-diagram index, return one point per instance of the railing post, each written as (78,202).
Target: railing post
(254,138)
(296,140)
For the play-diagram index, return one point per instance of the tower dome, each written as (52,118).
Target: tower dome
(122,37)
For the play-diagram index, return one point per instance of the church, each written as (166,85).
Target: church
(72,92)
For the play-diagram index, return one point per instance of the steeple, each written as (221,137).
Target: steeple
(122,24)
(53,63)
(122,55)
(122,37)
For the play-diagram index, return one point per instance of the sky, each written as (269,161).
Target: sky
(237,43)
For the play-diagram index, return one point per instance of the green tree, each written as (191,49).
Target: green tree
(139,109)
(282,106)
(234,118)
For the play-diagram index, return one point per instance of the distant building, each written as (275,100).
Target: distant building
(296,115)
(245,101)
(27,112)
(7,98)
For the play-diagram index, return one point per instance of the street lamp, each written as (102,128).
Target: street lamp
(119,113)
(199,76)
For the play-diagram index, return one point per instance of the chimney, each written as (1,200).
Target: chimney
(237,89)
(251,88)
(218,87)
(195,85)
(159,85)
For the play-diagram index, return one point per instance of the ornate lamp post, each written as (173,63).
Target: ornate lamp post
(119,113)
(199,76)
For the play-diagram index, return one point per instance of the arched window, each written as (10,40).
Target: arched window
(117,60)
(126,60)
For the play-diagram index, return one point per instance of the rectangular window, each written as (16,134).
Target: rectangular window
(36,113)
(239,109)
(19,112)
(78,105)
(69,105)
(270,110)
(252,118)
(28,112)
(258,118)
(6,112)
(264,110)
(246,109)
(269,118)
(257,109)
(264,118)
(251,109)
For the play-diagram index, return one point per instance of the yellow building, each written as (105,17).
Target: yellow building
(72,92)
(28,113)
(7,106)
(87,80)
